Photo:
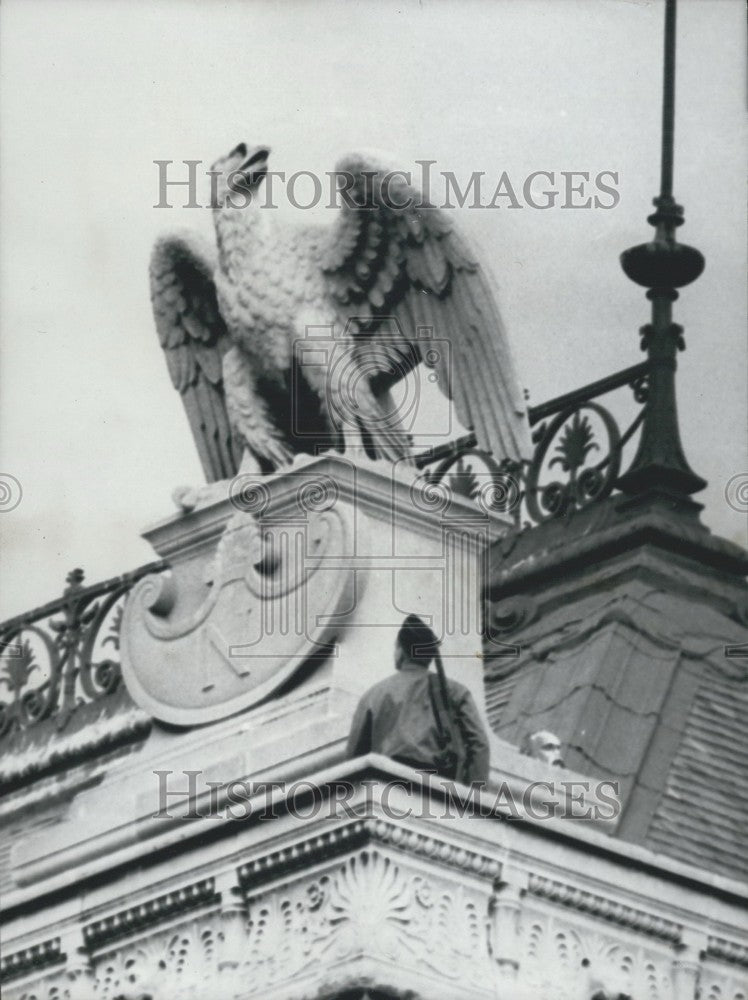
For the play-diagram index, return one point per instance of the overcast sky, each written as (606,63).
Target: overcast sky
(94,91)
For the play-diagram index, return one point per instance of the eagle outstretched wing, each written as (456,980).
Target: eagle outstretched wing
(194,338)
(398,256)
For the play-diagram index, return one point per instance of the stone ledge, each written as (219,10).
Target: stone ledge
(294,909)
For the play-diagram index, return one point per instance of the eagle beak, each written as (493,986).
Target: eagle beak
(254,164)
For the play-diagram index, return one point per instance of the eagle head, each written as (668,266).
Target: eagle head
(241,170)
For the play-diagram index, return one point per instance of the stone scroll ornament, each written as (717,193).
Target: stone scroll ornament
(197,650)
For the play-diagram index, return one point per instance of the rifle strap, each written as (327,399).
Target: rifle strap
(444,689)
(432,679)
(449,732)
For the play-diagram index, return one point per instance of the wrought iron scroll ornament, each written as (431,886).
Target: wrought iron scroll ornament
(575,440)
(659,467)
(565,440)
(64,653)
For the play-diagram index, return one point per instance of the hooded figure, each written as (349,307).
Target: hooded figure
(419,717)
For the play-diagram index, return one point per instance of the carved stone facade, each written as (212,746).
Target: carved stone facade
(129,879)
(431,904)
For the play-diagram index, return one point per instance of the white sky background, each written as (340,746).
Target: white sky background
(93,91)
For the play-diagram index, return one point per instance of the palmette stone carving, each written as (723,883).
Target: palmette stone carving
(715,985)
(368,906)
(311,933)
(564,960)
(178,964)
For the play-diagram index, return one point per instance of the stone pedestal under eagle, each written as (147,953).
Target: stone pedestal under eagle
(378,285)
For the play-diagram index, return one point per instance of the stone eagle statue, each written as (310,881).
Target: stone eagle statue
(231,321)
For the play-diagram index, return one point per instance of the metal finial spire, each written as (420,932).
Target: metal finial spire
(662,266)
(668,103)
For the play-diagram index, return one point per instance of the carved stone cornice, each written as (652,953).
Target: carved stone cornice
(451,911)
(606,909)
(379,489)
(728,951)
(359,833)
(136,843)
(32,959)
(153,911)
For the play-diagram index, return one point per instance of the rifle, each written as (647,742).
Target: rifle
(451,758)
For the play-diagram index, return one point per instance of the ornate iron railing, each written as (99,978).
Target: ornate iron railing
(63,654)
(564,436)
(659,467)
